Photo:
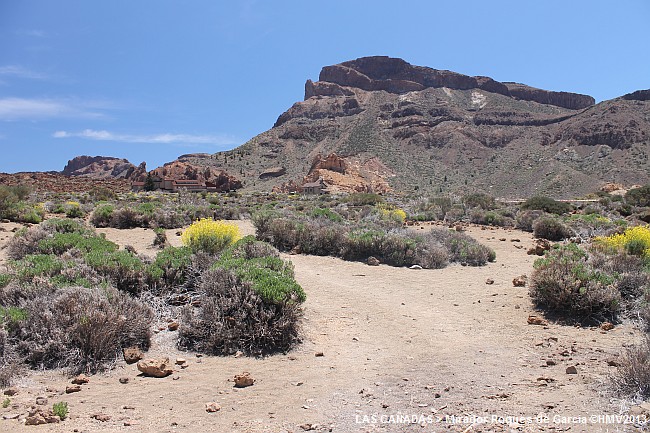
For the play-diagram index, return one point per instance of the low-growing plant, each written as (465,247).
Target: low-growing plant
(102,215)
(546,204)
(566,282)
(60,409)
(632,377)
(122,268)
(210,236)
(170,266)
(634,241)
(551,229)
(6,403)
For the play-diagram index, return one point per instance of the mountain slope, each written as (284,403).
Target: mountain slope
(395,126)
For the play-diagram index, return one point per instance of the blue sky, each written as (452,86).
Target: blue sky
(151,80)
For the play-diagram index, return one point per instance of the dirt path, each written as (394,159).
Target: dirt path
(430,344)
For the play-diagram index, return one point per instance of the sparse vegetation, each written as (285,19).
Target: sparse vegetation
(546,204)
(210,236)
(60,409)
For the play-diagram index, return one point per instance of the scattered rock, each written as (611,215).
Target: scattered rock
(295,250)
(243,380)
(155,367)
(81,379)
(41,416)
(172,326)
(489,281)
(212,407)
(180,361)
(373,261)
(41,401)
(541,246)
(520,281)
(101,417)
(415,267)
(124,380)
(72,388)
(132,355)
(459,228)
(606,326)
(11,416)
(571,370)
(239,354)
(318,354)
(613,363)
(536,320)
(11,392)
(515,240)
(550,362)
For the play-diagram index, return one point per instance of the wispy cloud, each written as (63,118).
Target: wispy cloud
(13,109)
(20,72)
(165,138)
(33,33)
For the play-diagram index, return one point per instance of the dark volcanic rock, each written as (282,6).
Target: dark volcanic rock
(639,95)
(572,101)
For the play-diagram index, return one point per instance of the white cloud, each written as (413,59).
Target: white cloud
(12,109)
(165,138)
(20,72)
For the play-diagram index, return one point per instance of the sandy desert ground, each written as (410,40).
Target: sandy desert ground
(432,345)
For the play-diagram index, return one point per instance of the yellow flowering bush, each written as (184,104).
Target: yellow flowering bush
(210,236)
(635,241)
(392,213)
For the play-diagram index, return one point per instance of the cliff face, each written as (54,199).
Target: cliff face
(397,76)
(102,167)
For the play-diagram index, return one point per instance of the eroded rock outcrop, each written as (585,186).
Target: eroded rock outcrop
(102,167)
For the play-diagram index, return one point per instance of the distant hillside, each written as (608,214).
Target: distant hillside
(379,123)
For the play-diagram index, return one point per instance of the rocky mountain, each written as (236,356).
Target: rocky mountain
(103,167)
(379,123)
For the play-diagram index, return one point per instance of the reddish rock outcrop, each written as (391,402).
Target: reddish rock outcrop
(182,170)
(102,167)
(397,76)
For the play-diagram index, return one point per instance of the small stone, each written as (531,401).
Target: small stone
(243,380)
(155,367)
(606,326)
(41,401)
(101,417)
(520,281)
(173,326)
(373,261)
(319,354)
(130,423)
(11,392)
(307,427)
(489,281)
(571,370)
(613,363)
(239,354)
(212,407)
(72,388)
(176,377)
(535,320)
(11,416)
(81,379)
(180,361)
(415,267)
(132,355)
(124,380)
(550,362)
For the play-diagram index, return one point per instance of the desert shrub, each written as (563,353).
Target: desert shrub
(632,377)
(12,205)
(233,317)
(590,225)
(5,279)
(59,243)
(102,215)
(83,329)
(60,409)
(551,229)
(29,214)
(170,266)
(566,282)
(480,200)
(635,241)
(122,268)
(546,204)
(63,225)
(526,219)
(391,213)
(365,199)
(37,265)
(269,276)
(160,240)
(465,249)
(125,218)
(490,218)
(73,210)
(169,219)
(12,316)
(639,196)
(326,213)
(210,236)
(100,193)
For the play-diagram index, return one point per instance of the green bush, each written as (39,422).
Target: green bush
(639,196)
(102,215)
(37,265)
(326,213)
(122,268)
(5,279)
(365,199)
(60,409)
(551,229)
(480,200)
(546,204)
(170,266)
